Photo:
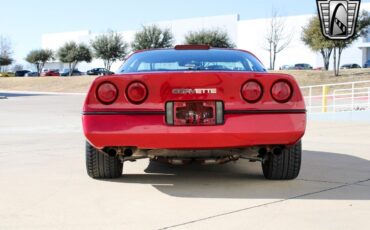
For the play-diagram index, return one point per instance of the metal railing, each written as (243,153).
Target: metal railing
(351,99)
(350,96)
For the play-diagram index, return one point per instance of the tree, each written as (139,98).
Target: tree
(109,47)
(151,37)
(5,61)
(361,30)
(213,37)
(39,58)
(73,53)
(5,52)
(313,38)
(277,38)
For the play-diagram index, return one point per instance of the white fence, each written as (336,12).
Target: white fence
(351,96)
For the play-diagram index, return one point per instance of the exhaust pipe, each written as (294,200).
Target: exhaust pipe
(111,152)
(262,152)
(128,152)
(277,151)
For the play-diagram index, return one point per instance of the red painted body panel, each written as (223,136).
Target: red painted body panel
(150,131)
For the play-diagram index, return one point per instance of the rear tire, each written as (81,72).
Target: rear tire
(285,166)
(102,166)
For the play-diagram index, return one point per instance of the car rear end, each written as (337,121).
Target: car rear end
(219,109)
(194,110)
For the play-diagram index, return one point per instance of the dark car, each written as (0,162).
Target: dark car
(302,66)
(74,73)
(350,66)
(367,64)
(21,73)
(99,71)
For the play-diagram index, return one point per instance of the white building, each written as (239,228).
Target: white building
(246,34)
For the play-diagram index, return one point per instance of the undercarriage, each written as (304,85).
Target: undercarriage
(200,156)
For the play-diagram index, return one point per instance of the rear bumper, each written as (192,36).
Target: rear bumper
(151,132)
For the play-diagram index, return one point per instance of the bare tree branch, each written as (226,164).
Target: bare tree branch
(277,38)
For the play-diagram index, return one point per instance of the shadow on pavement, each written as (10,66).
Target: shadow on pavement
(320,171)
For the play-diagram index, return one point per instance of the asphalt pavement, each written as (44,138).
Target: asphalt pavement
(44,185)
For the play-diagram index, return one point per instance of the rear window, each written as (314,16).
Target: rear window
(191,60)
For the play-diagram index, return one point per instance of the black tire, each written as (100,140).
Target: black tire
(102,166)
(284,166)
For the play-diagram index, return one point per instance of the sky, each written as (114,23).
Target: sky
(24,21)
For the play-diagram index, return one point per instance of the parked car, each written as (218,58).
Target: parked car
(7,74)
(367,64)
(32,74)
(350,66)
(21,73)
(50,73)
(197,109)
(286,67)
(302,66)
(74,73)
(99,71)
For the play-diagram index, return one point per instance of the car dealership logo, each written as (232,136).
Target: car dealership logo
(194,91)
(338,18)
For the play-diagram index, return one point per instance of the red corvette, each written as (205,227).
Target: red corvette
(194,104)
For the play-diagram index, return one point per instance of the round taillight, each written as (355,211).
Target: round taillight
(281,91)
(136,92)
(107,93)
(252,91)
